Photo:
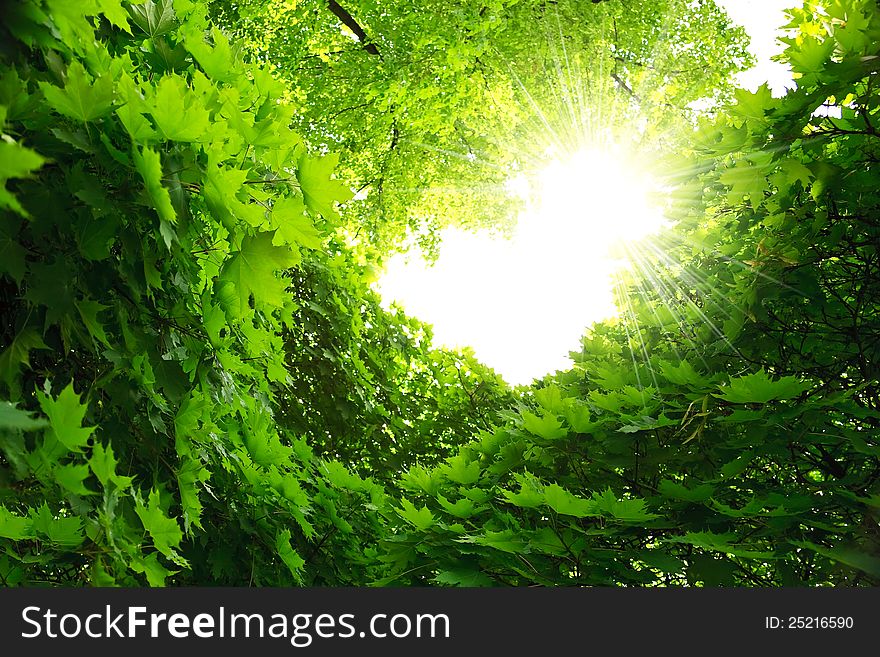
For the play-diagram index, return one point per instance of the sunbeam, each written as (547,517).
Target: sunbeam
(497,296)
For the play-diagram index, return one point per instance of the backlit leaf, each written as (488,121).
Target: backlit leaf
(66,415)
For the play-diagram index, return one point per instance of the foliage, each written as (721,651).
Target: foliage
(434,106)
(365,384)
(154,197)
(198,385)
(724,431)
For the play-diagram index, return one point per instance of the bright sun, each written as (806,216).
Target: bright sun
(523,303)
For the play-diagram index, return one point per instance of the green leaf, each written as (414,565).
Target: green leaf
(136,124)
(338,475)
(65,531)
(288,555)
(418,478)
(530,495)
(505,540)
(625,510)
(221,188)
(319,190)
(153,18)
(89,310)
(810,54)
(293,226)
(849,556)
(737,465)
(463,508)
(103,464)
(164,531)
(150,167)
(218,61)
(563,502)
(718,543)
(12,253)
(419,518)
(525,498)
(462,470)
(711,570)
(12,526)
(80,98)
(661,561)
(577,415)
(754,105)
(547,427)
(66,415)
(149,565)
(675,491)
(70,19)
(96,234)
(466,577)
(115,13)
(189,476)
(178,111)
(71,478)
(251,271)
(19,420)
(683,374)
(550,399)
(186,421)
(265,448)
(16,161)
(759,388)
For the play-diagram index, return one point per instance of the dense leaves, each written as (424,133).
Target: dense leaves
(144,304)
(199,386)
(724,430)
(433,107)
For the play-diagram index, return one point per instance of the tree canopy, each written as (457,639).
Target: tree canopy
(433,106)
(198,384)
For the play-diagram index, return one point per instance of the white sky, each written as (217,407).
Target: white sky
(762,20)
(522,304)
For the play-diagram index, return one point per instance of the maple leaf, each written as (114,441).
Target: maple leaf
(177,111)
(18,354)
(65,531)
(419,518)
(16,161)
(153,17)
(292,224)
(217,62)
(71,478)
(321,191)
(66,415)
(103,464)
(115,13)
(759,388)
(288,555)
(13,526)
(461,470)
(80,98)
(89,310)
(164,531)
(18,419)
(251,271)
(150,167)
(562,501)
(547,426)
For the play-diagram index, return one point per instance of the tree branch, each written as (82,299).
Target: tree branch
(623,85)
(349,21)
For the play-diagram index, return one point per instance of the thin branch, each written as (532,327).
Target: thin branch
(349,21)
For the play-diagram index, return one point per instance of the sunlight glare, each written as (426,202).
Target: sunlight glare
(592,200)
(522,304)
